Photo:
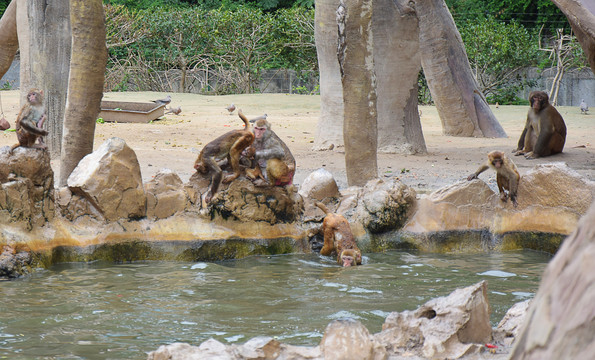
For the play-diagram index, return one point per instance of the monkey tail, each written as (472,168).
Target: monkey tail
(34,129)
(323,207)
(243,117)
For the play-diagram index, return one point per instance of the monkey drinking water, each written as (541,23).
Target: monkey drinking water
(339,239)
(507,175)
(30,120)
(229,145)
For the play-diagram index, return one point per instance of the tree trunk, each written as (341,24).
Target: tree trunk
(581,15)
(329,130)
(44,40)
(356,61)
(462,107)
(8,33)
(397,64)
(85,83)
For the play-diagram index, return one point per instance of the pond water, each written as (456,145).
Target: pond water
(122,311)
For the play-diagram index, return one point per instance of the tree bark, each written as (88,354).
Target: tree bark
(8,33)
(44,40)
(329,130)
(85,83)
(581,15)
(356,61)
(397,64)
(462,107)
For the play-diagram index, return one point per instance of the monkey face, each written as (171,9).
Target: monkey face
(259,132)
(34,97)
(351,257)
(497,163)
(538,100)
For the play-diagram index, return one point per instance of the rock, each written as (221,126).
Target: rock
(245,202)
(14,263)
(165,195)
(551,199)
(4,124)
(384,205)
(444,328)
(210,349)
(26,186)
(110,179)
(349,339)
(319,185)
(560,320)
(509,327)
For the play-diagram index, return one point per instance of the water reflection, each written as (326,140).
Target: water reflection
(106,311)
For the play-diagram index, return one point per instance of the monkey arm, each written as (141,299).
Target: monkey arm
(273,150)
(25,123)
(481,169)
(521,143)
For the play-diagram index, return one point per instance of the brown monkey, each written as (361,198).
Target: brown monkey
(545,132)
(272,157)
(30,120)
(339,239)
(229,145)
(507,175)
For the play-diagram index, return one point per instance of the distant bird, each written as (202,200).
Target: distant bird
(261,117)
(231,108)
(163,101)
(175,111)
(584,107)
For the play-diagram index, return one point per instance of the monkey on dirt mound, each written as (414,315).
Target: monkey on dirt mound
(507,175)
(227,146)
(273,162)
(338,239)
(545,131)
(30,120)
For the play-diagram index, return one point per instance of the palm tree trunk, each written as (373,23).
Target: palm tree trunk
(8,33)
(85,83)
(356,60)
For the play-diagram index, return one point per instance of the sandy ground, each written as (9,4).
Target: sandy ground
(175,141)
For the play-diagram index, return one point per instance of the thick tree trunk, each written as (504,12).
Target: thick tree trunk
(85,83)
(8,33)
(44,39)
(396,64)
(356,60)
(581,15)
(462,108)
(329,130)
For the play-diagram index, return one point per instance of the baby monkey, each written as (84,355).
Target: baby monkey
(507,175)
(30,120)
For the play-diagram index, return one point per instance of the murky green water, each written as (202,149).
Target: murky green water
(107,311)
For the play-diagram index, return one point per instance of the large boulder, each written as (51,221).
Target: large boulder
(110,180)
(165,195)
(551,199)
(444,328)
(560,323)
(385,205)
(26,186)
(349,339)
(13,262)
(319,185)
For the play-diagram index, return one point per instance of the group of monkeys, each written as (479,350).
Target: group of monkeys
(263,152)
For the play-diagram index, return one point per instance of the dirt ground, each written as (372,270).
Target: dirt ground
(175,141)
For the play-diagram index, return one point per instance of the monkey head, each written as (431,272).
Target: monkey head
(496,159)
(199,166)
(35,96)
(538,100)
(260,129)
(350,257)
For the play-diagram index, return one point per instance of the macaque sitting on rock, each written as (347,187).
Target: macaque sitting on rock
(30,120)
(274,163)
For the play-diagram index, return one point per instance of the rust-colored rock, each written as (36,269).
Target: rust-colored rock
(110,179)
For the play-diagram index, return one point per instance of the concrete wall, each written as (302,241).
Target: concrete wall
(575,85)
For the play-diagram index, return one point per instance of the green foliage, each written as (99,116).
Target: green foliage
(496,52)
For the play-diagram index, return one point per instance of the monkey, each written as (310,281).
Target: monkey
(271,155)
(339,239)
(507,175)
(30,120)
(229,145)
(545,131)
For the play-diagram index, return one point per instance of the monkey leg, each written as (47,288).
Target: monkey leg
(211,164)
(234,155)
